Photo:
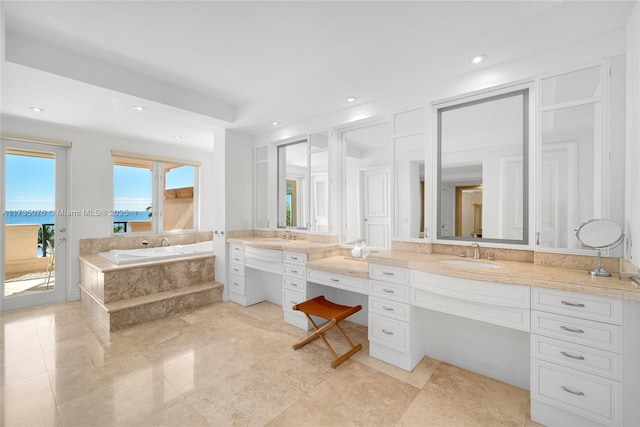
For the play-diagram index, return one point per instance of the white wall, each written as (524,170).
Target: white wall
(632,183)
(91,178)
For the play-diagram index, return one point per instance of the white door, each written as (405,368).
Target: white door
(375,206)
(33,226)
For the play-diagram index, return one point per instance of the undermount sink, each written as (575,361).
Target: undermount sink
(469,263)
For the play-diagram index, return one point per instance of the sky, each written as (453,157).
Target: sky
(30,184)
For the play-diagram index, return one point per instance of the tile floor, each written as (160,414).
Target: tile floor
(224,365)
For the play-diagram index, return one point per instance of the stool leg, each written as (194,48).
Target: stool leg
(318,333)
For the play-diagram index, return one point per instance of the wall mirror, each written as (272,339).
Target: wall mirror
(293,183)
(409,157)
(319,182)
(261,186)
(571,162)
(366,188)
(482,171)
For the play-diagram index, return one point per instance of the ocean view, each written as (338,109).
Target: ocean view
(48,217)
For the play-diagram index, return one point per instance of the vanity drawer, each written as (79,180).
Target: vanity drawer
(384,307)
(294,257)
(236,258)
(510,317)
(237,269)
(576,356)
(390,291)
(236,284)
(268,260)
(388,273)
(586,332)
(291,298)
(294,270)
(593,307)
(295,284)
(237,248)
(355,284)
(584,394)
(473,290)
(389,332)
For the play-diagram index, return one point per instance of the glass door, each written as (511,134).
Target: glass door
(33,224)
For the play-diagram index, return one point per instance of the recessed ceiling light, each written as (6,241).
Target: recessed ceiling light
(275,123)
(177,136)
(139,108)
(478,59)
(351,99)
(36,109)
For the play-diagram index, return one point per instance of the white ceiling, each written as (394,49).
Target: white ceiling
(204,64)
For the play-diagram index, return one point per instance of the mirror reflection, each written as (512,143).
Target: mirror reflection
(366,210)
(319,182)
(409,158)
(293,173)
(482,168)
(571,155)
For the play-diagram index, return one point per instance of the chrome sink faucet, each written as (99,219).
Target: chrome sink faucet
(476,250)
(164,240)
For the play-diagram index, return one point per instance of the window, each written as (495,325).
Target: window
(153,195)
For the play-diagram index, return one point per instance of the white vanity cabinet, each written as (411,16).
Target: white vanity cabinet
(576,358)
(294,285)
(393,324)
(236,274)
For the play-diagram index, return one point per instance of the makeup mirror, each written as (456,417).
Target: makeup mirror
(599,234)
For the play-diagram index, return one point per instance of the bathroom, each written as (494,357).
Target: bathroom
(237,178)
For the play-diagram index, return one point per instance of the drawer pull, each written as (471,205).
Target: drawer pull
(295,258)
(387,273)
(293,302)
(575,331)
(294,284)
(572,356)
(389,291)
(568,390)
(236,269)
(236,284)
(572,304)
(387,332)
(294,271)
(387,308)
(236,258)
(335,280)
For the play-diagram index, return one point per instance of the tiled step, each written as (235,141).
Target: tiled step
(125,313)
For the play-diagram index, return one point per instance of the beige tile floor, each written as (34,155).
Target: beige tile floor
(224,365)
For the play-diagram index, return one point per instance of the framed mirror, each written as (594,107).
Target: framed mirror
(483,167)
(366,209)
(293,184)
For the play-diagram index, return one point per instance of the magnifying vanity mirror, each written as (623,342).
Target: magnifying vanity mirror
(482,181)
(599,234)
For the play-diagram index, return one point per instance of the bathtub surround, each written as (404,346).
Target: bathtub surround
(120,296)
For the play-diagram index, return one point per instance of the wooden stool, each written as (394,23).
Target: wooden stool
(334,313)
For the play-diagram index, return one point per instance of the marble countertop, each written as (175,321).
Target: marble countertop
(513,272)
(277,243)
(341,265)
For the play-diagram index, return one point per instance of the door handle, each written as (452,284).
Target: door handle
(60,240)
